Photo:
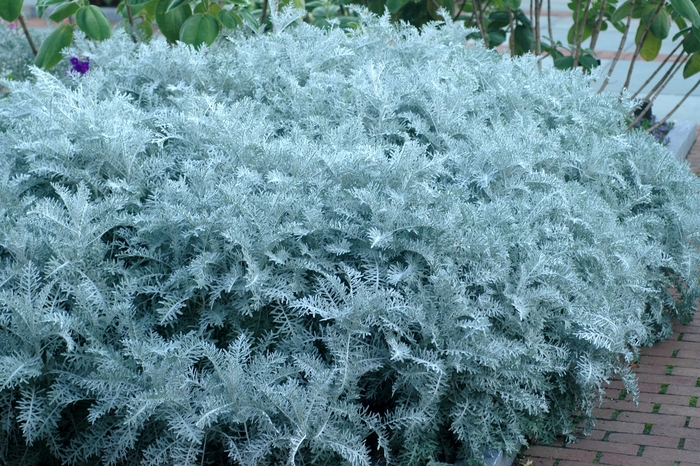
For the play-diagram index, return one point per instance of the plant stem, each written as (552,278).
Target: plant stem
(598,24)
(459,12)
(651,97)
(538,26)
(131,23)
(511,41)
(619,49)
(656,71)
(639,45)
(580,31)
(27,35)
(669,75)
(663,120)
(549,20)
(263,18)
(476,10)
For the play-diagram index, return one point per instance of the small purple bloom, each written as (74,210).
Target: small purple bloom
(79,66)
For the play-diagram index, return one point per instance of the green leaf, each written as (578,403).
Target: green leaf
(41,6)
(229,19)
(587,61)
(587,32)
(50,51)
(393,5)
(661,25)
(692,43)
(512,4)
(564,63)
(621,13)
(686,9)
(520,16)
(150,9)
(63,11)
(498,20)
(93,22)
(137,2)
(496,37)
(683,32)
(199,29)
(692,66)
(651,45)
(176,3)
(144,30)
(249,19)
(10,9)
(523,39)
(680,22)
(170,23)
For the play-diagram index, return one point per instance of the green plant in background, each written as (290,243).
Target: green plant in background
(315,247)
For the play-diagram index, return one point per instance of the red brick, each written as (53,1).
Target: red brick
(679,410)
(598,445)
(539,461)
(625,460)
(661,350)
(572,463)
(674,454)
(663,378)
(567,453)
(680,400)
(617,426)
(609,408)
(691,336)
(692,444)
(687,371)
(677,432)
(656,419)
(651,439)
(694,422)
(683,389)
(650,369)
(692,328)
(689,350)
(675,362)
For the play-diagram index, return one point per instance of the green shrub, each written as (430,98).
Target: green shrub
(320,248)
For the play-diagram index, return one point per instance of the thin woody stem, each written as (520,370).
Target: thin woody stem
(651,97)
(656,71)
(663,120)
(459,12)
(639,45)
(263,18)
(619,49)
(580,30)
(538,26)
(27,35)
(598,25)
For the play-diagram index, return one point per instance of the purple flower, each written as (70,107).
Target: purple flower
(79,66)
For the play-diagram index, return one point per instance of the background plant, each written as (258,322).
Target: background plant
(315,247)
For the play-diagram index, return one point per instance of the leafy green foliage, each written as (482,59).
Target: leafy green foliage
(320,247)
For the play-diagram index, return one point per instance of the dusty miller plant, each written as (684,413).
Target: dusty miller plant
(317,248)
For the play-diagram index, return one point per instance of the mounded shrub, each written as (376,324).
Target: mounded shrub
(320,248)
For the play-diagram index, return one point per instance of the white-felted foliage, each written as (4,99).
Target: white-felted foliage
(319,247)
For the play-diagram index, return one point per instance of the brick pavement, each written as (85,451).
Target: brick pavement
(663,429)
